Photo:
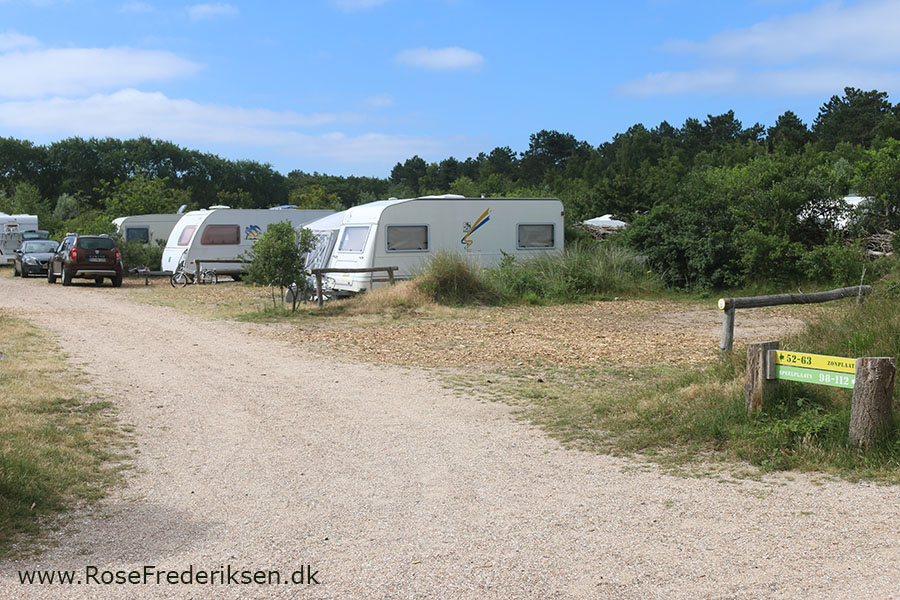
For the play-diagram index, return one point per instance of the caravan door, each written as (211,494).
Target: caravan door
(354,250)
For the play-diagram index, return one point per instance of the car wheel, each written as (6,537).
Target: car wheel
(117,281)
(66,276)
(23,273)
(51,278)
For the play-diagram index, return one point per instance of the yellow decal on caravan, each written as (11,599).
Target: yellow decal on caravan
(470,229)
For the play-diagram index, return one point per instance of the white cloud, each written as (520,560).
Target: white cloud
(787,82)
(380,101)
(12,40)
(814,52)
(132,113)
(682,82)
(441,59)
(356,5)
(866,31)
(85,70)
(200,12)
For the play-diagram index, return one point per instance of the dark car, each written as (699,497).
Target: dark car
(33,256)
(37,234)
(88,257)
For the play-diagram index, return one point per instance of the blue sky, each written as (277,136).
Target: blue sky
(351,87)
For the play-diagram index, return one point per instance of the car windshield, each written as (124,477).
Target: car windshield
(39,246)
(95,243)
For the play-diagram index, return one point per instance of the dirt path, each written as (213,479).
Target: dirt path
(255,455)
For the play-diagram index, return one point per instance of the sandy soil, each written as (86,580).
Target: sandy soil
(254,454)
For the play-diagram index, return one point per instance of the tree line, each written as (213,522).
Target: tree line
(711,203)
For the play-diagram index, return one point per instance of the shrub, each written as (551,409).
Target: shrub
(138,254)
(585,270)
(451,278)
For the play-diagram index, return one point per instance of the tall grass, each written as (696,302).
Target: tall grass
(586,270)
(451,278)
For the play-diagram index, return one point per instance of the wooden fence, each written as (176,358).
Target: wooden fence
(319,272)
(729,305)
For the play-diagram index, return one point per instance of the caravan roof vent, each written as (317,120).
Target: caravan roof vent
(284,207)
(218,206)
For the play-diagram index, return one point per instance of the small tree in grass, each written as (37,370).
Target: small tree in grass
(277,259)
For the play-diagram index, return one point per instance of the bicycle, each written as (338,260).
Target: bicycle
(181,277)
(208,276)
(327,288)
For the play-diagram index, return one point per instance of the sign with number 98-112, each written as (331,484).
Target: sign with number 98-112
(835,371)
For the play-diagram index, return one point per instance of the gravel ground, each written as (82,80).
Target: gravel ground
(254,454)
(624,333)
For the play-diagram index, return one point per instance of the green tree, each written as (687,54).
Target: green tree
(277,259)
(854,117)
(878,177)
(789,134)
(140,195)
(464,187)
(409,173)
(315,197)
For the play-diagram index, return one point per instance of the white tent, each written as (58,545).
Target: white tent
(605,221)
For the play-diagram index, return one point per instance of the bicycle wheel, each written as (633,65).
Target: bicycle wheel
(179,279)
(208,276)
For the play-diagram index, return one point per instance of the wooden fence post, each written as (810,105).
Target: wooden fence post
(727,330)
(758,389)
(319,299)
(873,393)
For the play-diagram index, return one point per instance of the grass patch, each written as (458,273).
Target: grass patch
(58,444)
(680,416)
(585,271)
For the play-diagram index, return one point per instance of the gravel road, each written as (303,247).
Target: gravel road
(252,453)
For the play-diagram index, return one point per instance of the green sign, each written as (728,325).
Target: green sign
(819,377)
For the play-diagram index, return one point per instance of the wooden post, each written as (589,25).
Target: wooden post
(873,393)
(197,273)
(391,275)
(727,330)
(319,288)
(758,389)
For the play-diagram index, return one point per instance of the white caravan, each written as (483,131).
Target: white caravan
(11,229)
(222,233)
(147,228)
(405,233)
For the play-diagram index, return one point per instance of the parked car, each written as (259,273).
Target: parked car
(88,257)
(37,234)
(33,256)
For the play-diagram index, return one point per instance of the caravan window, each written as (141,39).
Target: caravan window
(354,239)
(186,234)
(137,234)
(221,235)
(407,238)
(536,236)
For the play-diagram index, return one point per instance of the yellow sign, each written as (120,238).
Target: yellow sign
(721,303)
(815,361)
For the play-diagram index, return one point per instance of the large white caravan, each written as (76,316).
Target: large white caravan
(222,233)
(405,233)
(147,228)
(11,229)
